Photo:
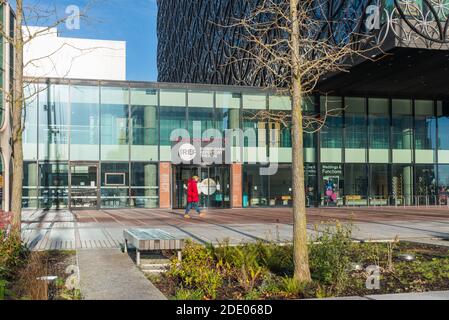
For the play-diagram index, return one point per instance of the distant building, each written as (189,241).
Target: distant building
(60,57)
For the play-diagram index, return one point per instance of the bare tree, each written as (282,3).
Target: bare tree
(16,97)
(291,45)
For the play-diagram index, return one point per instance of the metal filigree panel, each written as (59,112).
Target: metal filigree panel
(194,46)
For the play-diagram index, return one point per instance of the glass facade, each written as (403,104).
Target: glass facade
(88,145)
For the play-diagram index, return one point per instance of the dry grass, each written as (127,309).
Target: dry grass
(31,286)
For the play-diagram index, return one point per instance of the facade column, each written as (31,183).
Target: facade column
(165,185)
(236,185)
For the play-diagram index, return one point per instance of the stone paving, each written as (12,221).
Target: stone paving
(43,230)
(109,274)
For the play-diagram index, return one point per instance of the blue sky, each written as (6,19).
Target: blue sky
(133,21)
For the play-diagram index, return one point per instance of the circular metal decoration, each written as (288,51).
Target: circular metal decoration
(208,187)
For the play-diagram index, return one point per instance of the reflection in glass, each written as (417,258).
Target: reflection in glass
(144,185)
(85,118)
(255,189)
(171,118)
(332,131)
(379,123)
(426,184)
(54,123)
(402,124)
(402,184)
(281,188)
(54,185)
(356,184)
(379,192)
(113,195)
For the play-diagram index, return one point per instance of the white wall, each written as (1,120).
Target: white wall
(60,57)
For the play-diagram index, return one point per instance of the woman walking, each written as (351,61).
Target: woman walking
(192,197)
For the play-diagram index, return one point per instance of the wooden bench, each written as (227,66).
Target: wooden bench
(151,240)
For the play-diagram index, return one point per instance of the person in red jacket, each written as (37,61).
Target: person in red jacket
(192,197)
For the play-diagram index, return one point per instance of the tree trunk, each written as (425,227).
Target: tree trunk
(300,247)
(17,105)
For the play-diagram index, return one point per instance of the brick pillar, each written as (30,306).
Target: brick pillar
(236,185)
(165,185)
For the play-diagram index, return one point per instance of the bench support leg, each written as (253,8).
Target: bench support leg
(180,255)
(126,246)
(138,257)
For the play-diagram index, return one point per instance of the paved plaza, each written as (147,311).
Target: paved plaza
(66,230)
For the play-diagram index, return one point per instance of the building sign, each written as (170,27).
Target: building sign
(187,152)
(332,169)
(200,152)
(208,187)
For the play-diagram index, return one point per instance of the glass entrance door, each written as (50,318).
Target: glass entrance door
(84,192)
(213,187)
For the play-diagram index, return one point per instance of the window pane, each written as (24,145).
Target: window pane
(281,187)
(443,125)
(255,188)
(443,184)
(144,185)
(254,101)
(200,119)
(355,114)
(171,118)
(201,99)
(425,125)
(356,184)
(332,131)
(115,196)
(30,176)
(84,135)
(54,185)
(54,123)
(379,192)
(254,128)
(173,98)
(114,124)
(228,100)
(402,184)
(402,124)
(30,123)
(426,184)
(379,123)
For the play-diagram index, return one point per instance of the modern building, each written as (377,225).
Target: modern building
(95,143)
(109,144)
(388,146)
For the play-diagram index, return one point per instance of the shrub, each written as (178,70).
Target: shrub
(278,259)
(185,294)
(330,257)
(241,262)
(197,270)
(291,286)
(11,253)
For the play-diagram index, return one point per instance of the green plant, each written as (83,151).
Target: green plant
(197,269)
(185,294)
(330,256)
(253,295)
(278,259)
(11,254)
(291,286)
(241,262)
(3,284)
